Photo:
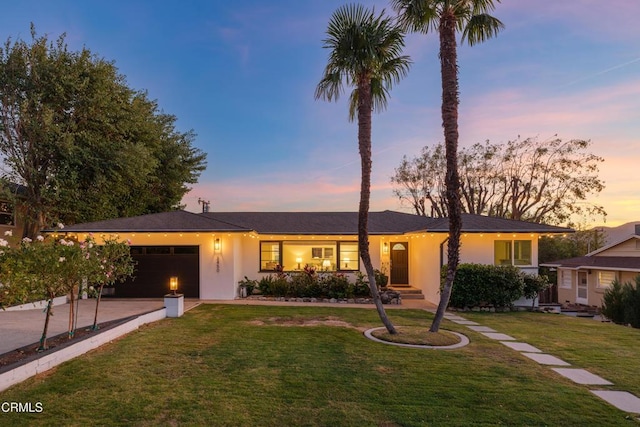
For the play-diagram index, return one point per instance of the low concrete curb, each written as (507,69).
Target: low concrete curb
(38,304)
(463,341)
(42,364)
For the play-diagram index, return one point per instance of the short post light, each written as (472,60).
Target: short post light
(173,284)
(173,301)
(299,260)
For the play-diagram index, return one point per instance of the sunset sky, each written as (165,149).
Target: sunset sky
(242,75)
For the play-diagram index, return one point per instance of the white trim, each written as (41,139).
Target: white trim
(585,299)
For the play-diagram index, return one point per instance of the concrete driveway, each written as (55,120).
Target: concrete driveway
(24,327)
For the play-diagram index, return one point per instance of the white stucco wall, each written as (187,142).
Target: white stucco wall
(239,256)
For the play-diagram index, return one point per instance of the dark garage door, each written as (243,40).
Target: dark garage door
(155,265)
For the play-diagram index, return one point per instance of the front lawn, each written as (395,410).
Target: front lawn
(284,366)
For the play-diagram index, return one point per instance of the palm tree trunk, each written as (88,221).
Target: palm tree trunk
(450,101)
(364,146)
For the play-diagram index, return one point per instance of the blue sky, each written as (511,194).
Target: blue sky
(242,75)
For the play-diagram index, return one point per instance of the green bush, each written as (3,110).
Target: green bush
(381,278)
(534,284)
(631,300)
(361,287)
(480,284)
(336,285)
(264,285)
(613,305)
(249,284)
(280,287)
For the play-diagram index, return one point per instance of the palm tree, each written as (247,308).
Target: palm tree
(447,17)
(366,54)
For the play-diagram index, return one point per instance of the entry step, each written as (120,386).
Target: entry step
(408,292)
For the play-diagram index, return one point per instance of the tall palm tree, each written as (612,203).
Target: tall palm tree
(448,17)
(365,53)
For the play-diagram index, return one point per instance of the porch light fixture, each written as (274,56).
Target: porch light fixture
(298,260)
(217,245)
(385,248)
(173,284)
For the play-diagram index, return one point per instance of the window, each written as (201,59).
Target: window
(522,252)
(512,252)
(270,255)
(605,278)
(349,259)
(324,256)
(565,279)
(6,213)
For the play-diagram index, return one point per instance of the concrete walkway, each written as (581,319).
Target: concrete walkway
(622,400)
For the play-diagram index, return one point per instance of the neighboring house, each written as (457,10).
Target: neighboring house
(583,280)
(211,252)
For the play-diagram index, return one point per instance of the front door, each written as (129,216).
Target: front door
(582,290)
(400,263)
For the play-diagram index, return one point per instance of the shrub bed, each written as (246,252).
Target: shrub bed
(309,283)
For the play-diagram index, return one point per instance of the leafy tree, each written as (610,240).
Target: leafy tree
(448,17)
(365,52)
(532,180)
(71,130)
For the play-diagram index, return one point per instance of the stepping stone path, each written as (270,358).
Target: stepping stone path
(622,400)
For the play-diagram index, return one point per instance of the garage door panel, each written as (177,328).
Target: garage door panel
(155,265)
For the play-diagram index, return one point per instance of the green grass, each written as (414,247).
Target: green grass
(311,366)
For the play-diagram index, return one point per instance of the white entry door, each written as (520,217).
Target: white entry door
(582,289)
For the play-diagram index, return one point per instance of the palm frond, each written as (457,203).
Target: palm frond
(480,28)
(362,43)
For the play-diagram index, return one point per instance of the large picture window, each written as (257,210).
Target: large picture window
(322,255)
(512,252)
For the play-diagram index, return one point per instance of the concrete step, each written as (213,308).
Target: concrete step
(408,292)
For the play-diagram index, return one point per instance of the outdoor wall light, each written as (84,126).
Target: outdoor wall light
(217,245)
(173,284)
(298,260)
(385,248)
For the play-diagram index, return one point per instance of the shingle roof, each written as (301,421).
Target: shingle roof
(597,262)
(158,222)
(332,223)
(327,223)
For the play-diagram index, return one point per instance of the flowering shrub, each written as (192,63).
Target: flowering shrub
(49,267)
